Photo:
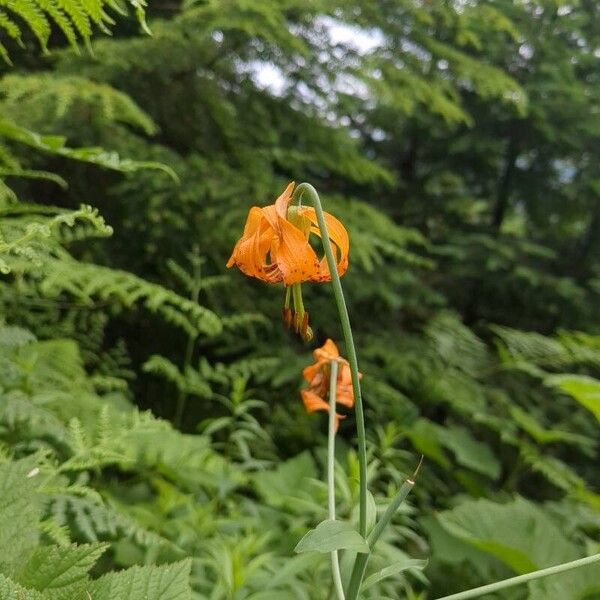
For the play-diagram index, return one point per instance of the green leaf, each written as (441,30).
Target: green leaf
(9,590)
(424,437)
(397,567)
(52,567)
(546,436)
(166,582)
(371,512)
(332,535)
(276,486)
(586,390)
(291,567)
(54,144)
(518,533)
(19,511)
(469,452)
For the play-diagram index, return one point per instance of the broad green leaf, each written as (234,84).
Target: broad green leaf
(546,436)
(9,590)
(424,436)
(586,390)
(469,452)
(580,584)
(286,480)
(518,533)
(166,582)
(52,567)
(19,511)
(332,535)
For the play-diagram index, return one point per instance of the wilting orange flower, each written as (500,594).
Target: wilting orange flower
(318,377)
(275,248)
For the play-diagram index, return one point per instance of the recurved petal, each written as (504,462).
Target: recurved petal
(345,397)
(312,402)
(339,240)
(250,253)
(345,391)
(253,221)
(294,256)
(312,373)
(328,351)
(282,203)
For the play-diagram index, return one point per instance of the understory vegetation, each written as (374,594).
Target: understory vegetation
(153,444)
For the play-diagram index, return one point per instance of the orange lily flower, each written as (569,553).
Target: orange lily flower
(318,374)
(275,248)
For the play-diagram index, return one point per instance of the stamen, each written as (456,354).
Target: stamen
(287,316)
(306,331)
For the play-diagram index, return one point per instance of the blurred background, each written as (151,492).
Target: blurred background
(456,140)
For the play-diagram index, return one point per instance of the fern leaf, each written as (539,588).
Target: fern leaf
(54,144)
(90,282)
(62,95)
(73,17)
(75,9)
(11,28)
(57,16)
(30,12)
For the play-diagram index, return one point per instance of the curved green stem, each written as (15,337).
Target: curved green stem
(335,565)
(309,190)
(520,579)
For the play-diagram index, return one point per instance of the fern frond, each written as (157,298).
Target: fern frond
(93,521)
(74,18)
(54,144)
(12,30)
(190,382)
(532,347)
(259,367)
(31,98)
(58,534)
(31,13)
(456,344)
(89,283)
(21,237)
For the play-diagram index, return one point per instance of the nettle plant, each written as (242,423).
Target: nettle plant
(275,247)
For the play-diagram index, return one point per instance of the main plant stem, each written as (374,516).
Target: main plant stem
(335,565)
(309,190)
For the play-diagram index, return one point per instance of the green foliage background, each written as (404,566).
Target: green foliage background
(152,440)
